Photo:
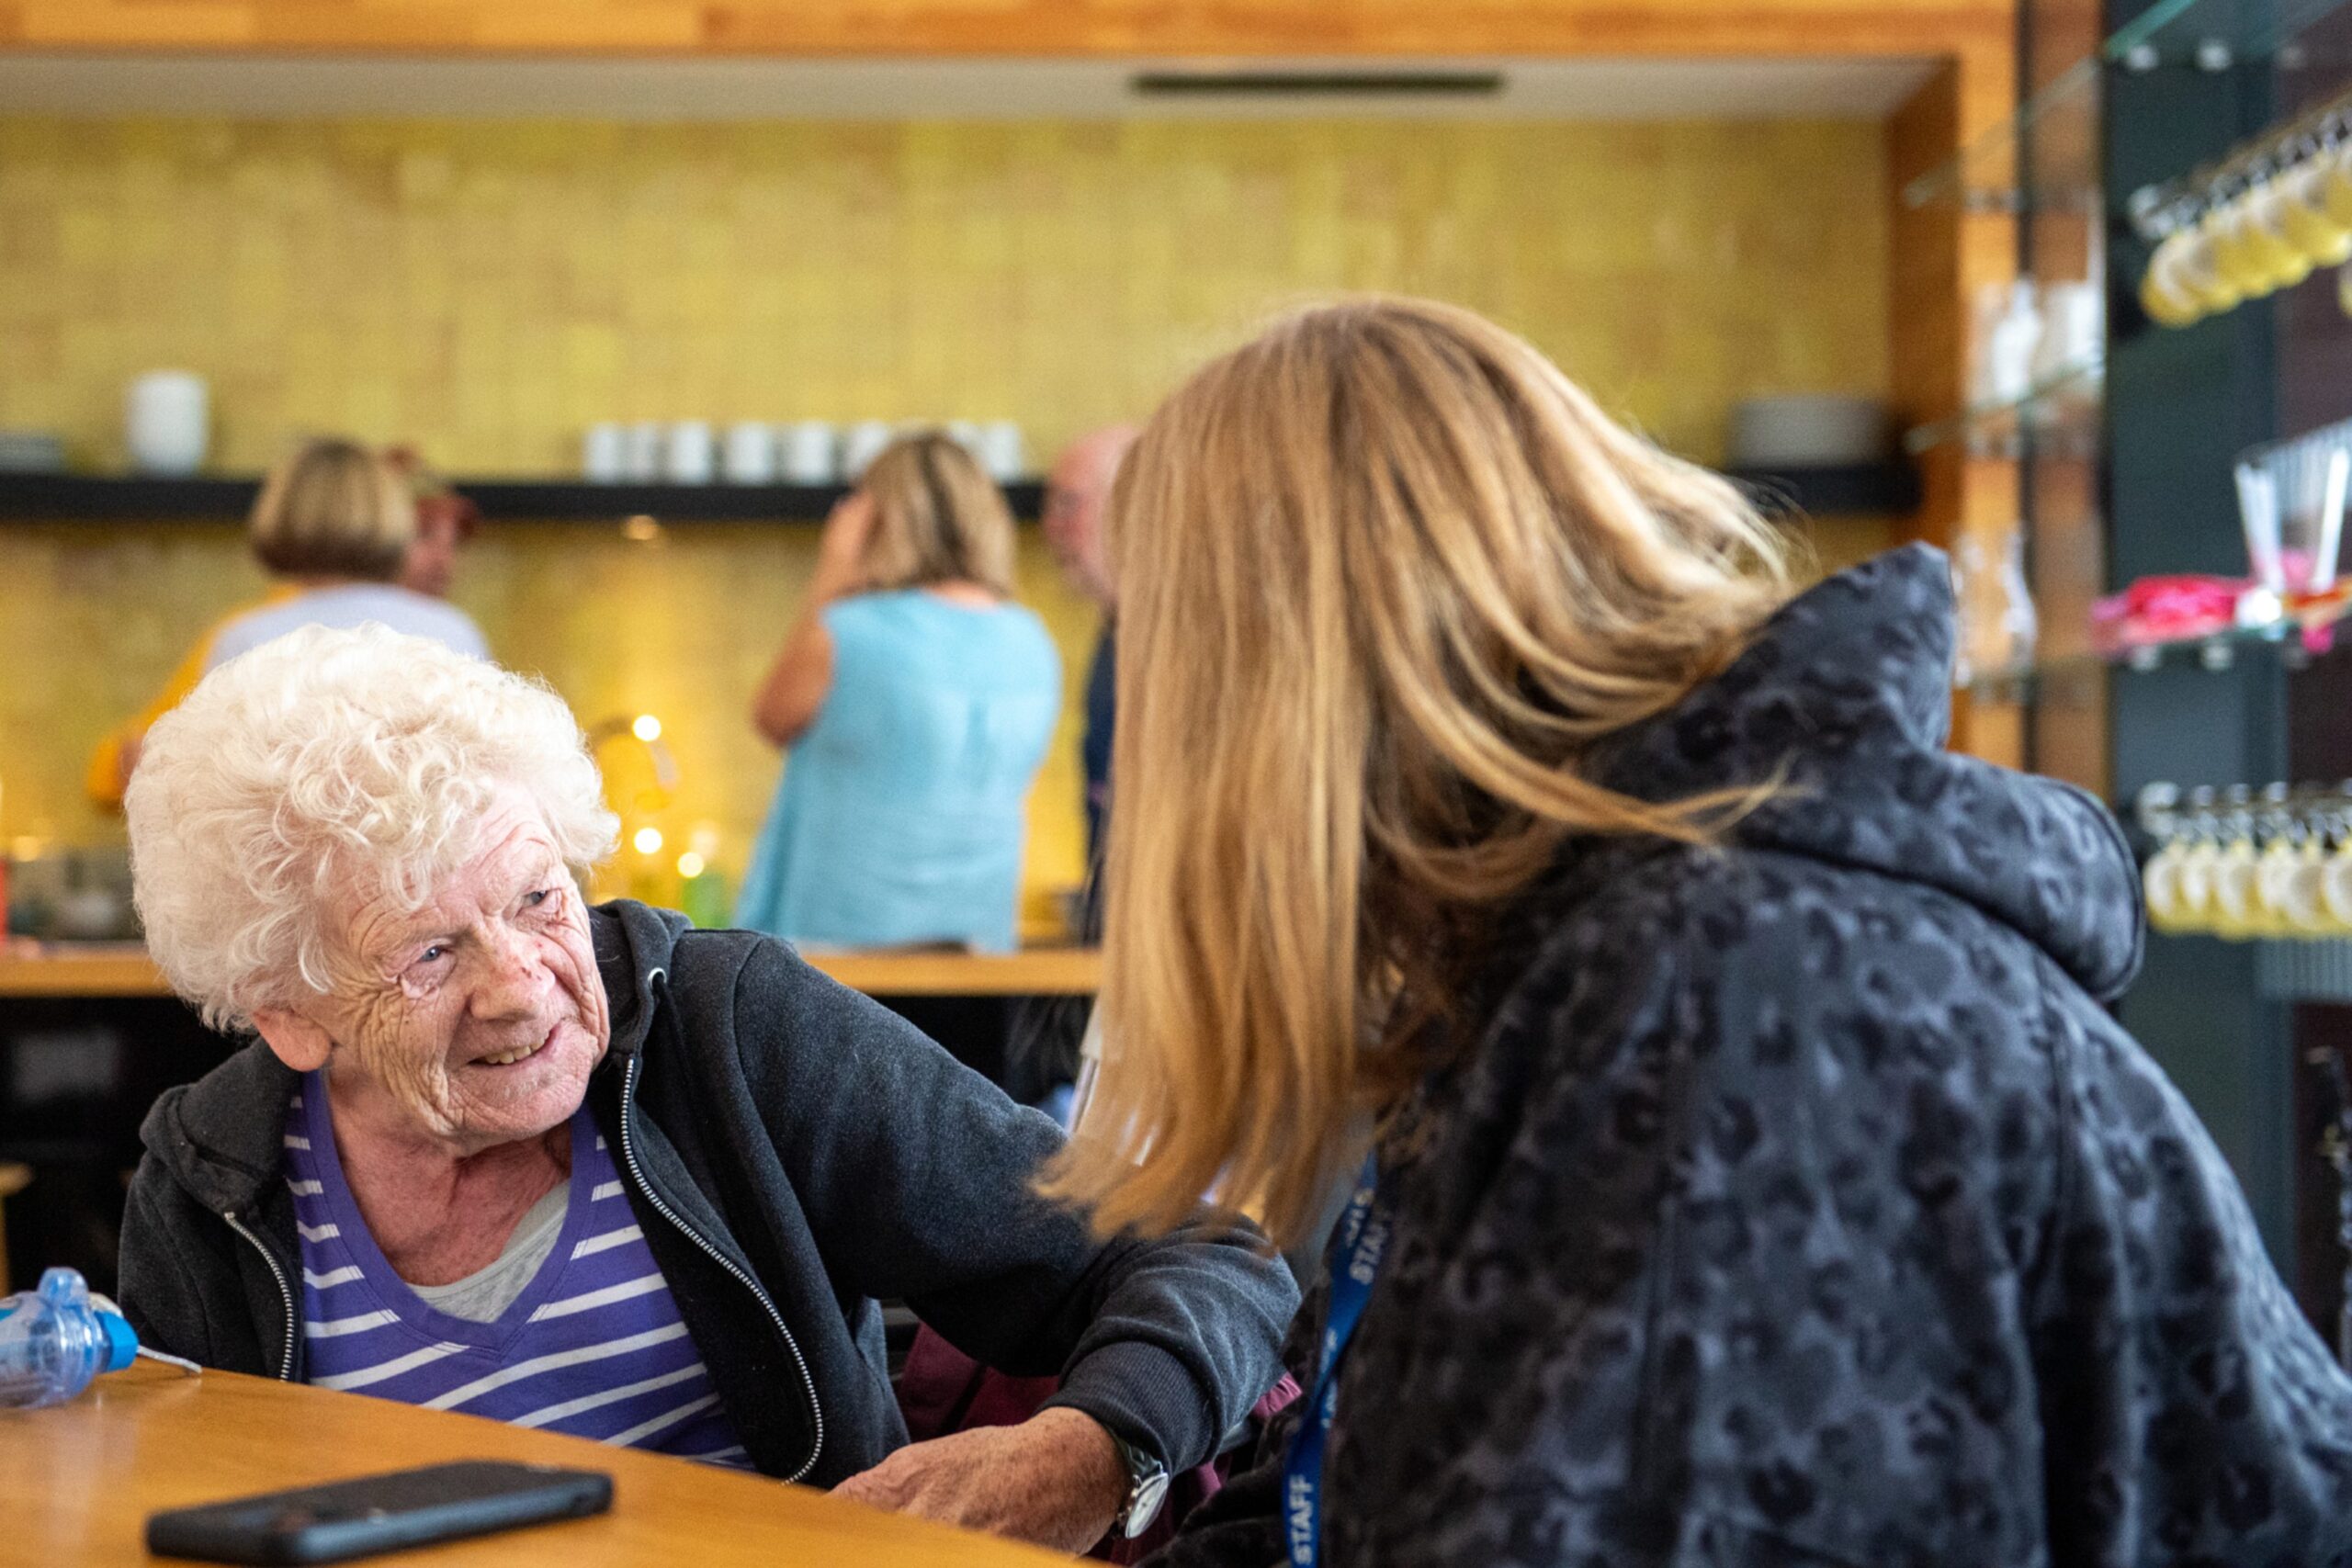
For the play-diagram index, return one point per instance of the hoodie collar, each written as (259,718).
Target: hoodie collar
(222,1137)
(1846,695)
(634,943)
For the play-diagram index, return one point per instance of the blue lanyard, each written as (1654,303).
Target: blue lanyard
(1357,1244)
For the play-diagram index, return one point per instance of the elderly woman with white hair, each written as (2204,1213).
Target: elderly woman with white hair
(586,1168)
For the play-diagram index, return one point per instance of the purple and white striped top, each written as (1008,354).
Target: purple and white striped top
(592,1347)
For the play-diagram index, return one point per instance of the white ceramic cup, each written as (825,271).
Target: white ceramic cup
(167,422)
(2072,327)
(750,455)
(692,456)
(645,441)
(808,452)
(1000,451)
(604,454)
(865,441)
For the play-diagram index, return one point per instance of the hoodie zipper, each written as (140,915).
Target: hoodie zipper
(284,1291)
(628,1158)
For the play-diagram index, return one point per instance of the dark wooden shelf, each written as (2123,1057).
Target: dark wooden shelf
(86,498)
(1888,489)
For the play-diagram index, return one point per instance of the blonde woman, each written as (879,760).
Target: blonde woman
(917,700)
(1759,1179)
(335,524)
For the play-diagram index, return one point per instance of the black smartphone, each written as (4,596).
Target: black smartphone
(369,1513)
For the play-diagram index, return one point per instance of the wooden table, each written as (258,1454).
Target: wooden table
(123,969)
(78,1481)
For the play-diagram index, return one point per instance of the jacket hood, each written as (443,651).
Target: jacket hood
(220,1136)
(1846,695)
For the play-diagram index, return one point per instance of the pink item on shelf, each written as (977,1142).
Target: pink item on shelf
(2166,609)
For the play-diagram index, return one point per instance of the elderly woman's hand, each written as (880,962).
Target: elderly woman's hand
(1055,1479)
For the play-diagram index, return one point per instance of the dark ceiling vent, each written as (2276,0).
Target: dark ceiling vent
(1292,82)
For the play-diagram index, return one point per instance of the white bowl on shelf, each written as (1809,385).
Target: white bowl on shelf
(1808,430)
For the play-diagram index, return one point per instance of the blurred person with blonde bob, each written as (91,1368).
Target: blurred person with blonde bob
(335,525)
(1750,1172)
(917,699)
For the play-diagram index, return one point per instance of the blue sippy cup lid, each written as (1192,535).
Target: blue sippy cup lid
(122,1343)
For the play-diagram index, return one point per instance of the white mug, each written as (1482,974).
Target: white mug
(750,458)
(2074,328)
(1000,450)
(167,423)
(604,454)
(644,464)
(865,441)
(808,453)
(692,456)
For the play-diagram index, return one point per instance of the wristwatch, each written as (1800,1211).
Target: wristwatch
(1147,1489)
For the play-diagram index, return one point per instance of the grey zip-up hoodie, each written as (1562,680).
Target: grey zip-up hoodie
(793,1152)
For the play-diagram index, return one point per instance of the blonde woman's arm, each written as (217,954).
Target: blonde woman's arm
(788,700)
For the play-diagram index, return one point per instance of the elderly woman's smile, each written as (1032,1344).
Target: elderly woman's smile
(473,1019)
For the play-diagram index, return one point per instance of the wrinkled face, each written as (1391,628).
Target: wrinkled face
(477,1020)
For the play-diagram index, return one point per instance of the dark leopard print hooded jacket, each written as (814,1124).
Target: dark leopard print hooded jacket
(1803,1207)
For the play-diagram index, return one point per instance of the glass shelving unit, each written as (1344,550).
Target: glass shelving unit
(2044,157)
(2058,411)
(2291,639)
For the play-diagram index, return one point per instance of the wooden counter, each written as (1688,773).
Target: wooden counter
(77,1483)
(124,970)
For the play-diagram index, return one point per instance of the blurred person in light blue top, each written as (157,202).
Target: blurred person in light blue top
(917,701)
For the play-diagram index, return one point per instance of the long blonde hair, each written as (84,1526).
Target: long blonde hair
(937,518)
(1384,575)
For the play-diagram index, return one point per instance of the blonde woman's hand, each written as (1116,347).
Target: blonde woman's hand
(841,552)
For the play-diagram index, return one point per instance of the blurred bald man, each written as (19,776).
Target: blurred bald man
(1078,491)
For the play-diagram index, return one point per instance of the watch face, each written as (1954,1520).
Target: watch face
(1143,1503)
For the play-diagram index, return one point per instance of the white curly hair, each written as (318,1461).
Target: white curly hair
(320,761)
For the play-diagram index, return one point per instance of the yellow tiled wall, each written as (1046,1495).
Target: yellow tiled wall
(486,289)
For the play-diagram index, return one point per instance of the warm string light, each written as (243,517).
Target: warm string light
(648,841)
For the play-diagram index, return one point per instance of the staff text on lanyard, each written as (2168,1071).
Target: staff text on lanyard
(1357,1246)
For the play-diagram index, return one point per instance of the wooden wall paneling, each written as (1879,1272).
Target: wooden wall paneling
(1940,256)
(1036,28)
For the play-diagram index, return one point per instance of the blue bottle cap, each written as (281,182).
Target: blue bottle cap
(122,1344)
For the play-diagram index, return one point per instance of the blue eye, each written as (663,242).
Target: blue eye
(430,953)
(533,901)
